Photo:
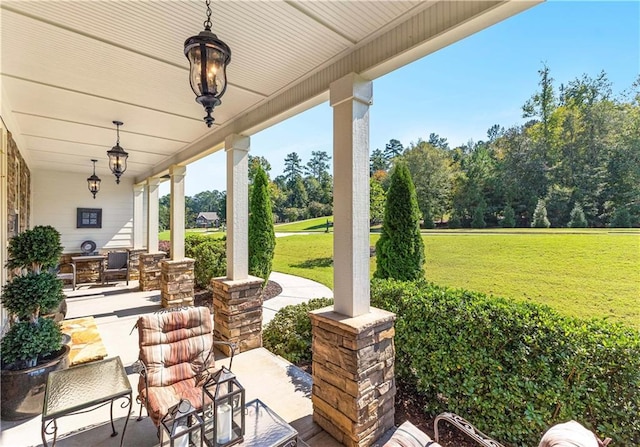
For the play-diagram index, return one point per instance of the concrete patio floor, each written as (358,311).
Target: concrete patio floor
(282,386)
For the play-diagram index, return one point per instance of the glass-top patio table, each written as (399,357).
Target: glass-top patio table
(79,388)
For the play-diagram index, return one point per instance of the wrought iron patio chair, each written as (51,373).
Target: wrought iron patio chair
(67,275)
(117,264)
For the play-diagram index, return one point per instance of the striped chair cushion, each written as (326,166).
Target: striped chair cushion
(408,435)
(175,347)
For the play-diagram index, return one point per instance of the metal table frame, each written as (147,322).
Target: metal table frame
(108,373)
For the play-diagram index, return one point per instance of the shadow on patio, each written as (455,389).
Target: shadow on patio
(283,387)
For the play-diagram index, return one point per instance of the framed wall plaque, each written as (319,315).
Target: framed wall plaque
(89,218)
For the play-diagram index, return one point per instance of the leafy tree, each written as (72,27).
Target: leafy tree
(262,240)
(256,162)
(377,162)
(540,216)
(400,249)
(436,140)
(377,198)
(577,217)
(508,217)
(298,197)
(393,149)
(429,167)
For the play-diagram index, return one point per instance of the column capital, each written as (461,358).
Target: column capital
(237,143)
(177,170)
(351,87)
(154,181)
(139,188)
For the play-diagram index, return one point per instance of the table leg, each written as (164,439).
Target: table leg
(126,421)
(45,431)
(113,427)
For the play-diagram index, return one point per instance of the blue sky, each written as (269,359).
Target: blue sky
(462,90)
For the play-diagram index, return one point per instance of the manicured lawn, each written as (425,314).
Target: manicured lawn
(164,235)
(318,224)
(581,273)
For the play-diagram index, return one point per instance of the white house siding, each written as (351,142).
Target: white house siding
(57,195)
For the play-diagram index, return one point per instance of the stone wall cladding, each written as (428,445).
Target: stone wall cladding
(134,262)
(150,271)
(177,282)
(353,375)
(237,310)
(18,190)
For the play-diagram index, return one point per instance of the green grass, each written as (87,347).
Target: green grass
(164,235)
(318,224)
(587,273)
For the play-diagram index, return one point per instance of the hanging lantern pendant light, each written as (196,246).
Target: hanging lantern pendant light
(117,156)
(208,58)
(93,182)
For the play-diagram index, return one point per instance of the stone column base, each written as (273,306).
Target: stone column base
(237,312)
(353,374)
(177,282)
(134,262)
(150,270)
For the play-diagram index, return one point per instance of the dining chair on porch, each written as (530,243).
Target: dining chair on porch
(117,264)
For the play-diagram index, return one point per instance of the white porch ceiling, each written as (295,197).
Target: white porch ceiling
(69,68)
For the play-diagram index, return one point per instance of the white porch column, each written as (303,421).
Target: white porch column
(153,208)
(138,216)
(237,148)
(177,174)
(350,98)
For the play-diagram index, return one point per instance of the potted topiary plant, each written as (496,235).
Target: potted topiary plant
(32,346)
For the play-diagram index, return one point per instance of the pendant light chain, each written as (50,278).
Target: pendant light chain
(207,23)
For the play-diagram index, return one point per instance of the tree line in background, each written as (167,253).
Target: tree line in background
(575,163)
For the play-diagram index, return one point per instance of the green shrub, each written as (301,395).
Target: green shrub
(33,294)
(513,368)
(26,341)
(35,249)
(262,239)
(478,217)
(289,333)
(191,241)
(210,261)
(400,249)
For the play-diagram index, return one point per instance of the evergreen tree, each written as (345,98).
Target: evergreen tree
(400,249)
(508,217)
(540,216)
(577,217)
(262,240)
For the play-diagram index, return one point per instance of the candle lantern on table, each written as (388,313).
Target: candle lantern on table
(184,425)
(223,409)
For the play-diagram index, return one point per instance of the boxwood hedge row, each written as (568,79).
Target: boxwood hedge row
(513,368)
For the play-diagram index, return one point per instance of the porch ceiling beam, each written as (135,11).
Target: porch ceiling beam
(427,31)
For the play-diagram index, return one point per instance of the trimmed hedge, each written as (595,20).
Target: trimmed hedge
(289,333)
(513,368)
(210,258)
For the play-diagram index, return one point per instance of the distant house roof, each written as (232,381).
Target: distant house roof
(210,216)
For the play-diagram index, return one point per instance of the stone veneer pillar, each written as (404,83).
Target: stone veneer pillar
(150,271)
(237,312)
(353,374)
(177,282)
(134,262)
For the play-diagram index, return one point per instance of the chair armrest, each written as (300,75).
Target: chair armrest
(231,344)
(466,428)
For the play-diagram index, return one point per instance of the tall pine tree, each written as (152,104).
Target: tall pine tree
(262,239)
(400,249)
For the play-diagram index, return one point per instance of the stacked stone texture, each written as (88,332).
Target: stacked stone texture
(150,271)
(177,282)
(134,263)
(353,375)
(237,310)
(18,190)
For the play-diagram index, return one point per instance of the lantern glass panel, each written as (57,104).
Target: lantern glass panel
(214,80)
(223,409)
(183,425)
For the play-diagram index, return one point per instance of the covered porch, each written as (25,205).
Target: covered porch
(67,75)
